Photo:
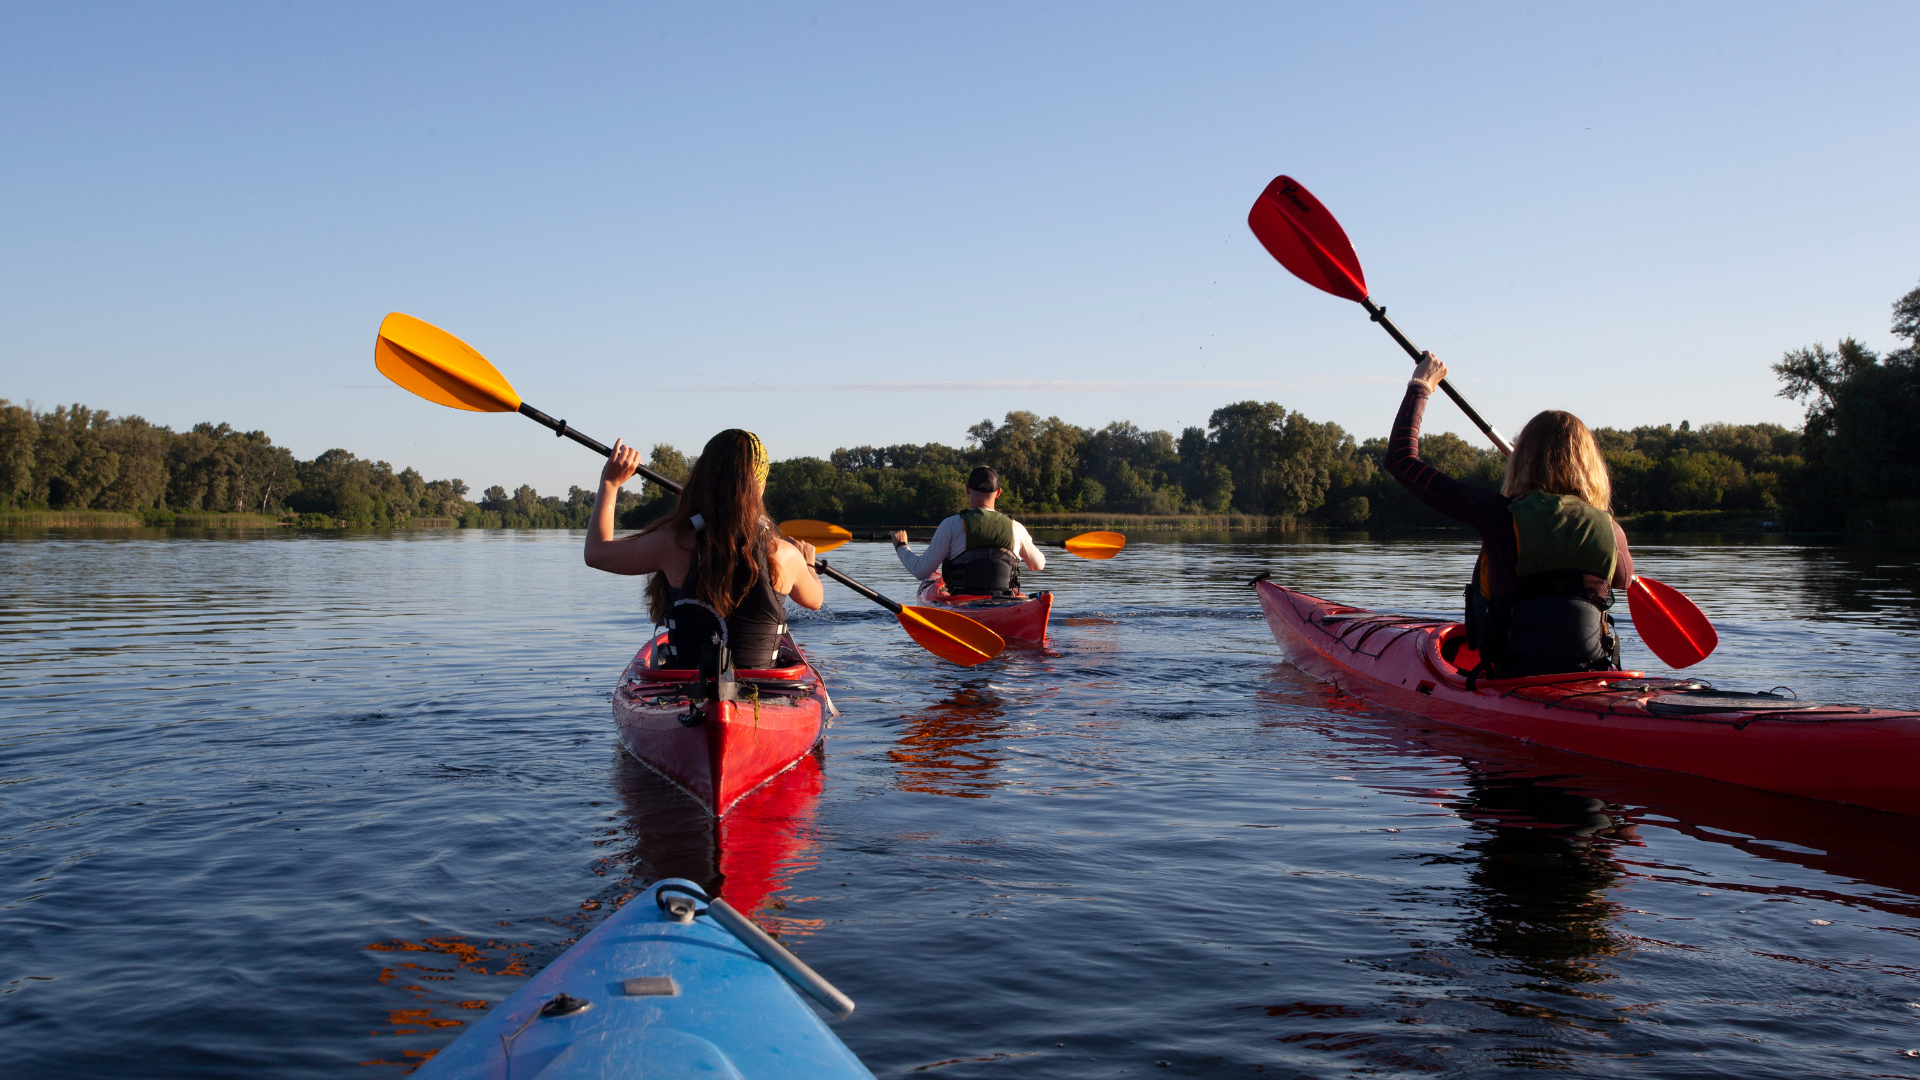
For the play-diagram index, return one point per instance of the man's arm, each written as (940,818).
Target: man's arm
(939,549)
(1026,549)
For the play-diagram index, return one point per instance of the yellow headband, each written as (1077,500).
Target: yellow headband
(760,464)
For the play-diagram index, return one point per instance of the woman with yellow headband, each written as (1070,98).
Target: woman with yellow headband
(720,573)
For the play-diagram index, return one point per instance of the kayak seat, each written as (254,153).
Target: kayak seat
(1448,655)
(993,601)
(1455,650)
(788,666)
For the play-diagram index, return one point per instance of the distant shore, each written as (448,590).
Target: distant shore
(1896,518)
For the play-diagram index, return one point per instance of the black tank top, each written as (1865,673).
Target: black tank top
(751,633)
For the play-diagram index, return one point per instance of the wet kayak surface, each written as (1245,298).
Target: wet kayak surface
(283,805)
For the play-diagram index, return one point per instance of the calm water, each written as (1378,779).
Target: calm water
(303,805)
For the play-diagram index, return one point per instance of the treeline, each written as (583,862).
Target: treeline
(77,458)
(1260,458)
(1255,458)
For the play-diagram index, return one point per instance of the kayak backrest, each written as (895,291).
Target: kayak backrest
(790,672)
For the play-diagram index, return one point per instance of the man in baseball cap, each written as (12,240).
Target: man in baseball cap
(977,552)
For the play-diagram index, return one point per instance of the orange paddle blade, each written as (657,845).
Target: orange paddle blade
(1671,625)
(440,367)
(823,535)
(950,635)
(1096,545)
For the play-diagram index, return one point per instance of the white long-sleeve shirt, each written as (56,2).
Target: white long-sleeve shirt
(950,539)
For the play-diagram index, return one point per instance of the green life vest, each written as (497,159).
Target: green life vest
(987,529)
(1556,621)
(988,566)
(1561,532)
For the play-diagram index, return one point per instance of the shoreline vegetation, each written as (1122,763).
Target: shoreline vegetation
(1256,465)
(1902,518)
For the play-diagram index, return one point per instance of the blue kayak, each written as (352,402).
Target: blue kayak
(673,985)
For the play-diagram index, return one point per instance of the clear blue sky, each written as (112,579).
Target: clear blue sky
(846,224)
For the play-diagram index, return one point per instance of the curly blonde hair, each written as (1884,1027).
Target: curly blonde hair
(1556,453)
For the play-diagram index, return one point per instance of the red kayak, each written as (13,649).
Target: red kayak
(1019,619)
(715,739)
(1842,753)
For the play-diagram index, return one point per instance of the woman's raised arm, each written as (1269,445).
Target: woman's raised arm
(634,554)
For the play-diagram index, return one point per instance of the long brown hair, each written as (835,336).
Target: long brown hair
(1556,453)
(724,490)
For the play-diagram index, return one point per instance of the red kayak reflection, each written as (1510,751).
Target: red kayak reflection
(1854,843)
(949,748)
(750,856)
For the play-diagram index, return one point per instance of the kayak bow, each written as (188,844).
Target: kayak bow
(718,739)
(666,987)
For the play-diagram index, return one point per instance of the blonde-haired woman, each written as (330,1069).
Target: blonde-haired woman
(1550,552)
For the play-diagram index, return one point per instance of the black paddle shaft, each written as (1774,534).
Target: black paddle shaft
(1379,315)
(560,428)
(821,565)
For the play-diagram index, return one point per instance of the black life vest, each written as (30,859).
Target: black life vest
(988,567)
(750,634)
(1556,620)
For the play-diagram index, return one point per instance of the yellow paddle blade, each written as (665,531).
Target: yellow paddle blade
(824,536)
(950,635)
(440,367)
(1096,545)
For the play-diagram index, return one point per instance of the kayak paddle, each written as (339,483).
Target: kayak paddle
(825,536)
(1671,625)
(946,634)
(1092,545)
(443,369)
(1300,233)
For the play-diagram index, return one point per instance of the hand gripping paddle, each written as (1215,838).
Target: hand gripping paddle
(1300,233)
(443,369)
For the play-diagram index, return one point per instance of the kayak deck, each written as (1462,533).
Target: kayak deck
(663,999)
(719,751)
(1019,619)
(1841,753)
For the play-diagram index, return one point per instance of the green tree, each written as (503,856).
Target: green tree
(73,459)
(141,482)
(19,433)
(1700,481)
(901,456)
(1632,476)
(1037,461)
(805,487)
(1242,438)
(1135,471)
(1860,410)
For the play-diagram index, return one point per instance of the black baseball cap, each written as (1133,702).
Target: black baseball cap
(984,479)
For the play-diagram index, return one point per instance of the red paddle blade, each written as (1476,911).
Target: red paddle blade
(1671,625)
(1299,232)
